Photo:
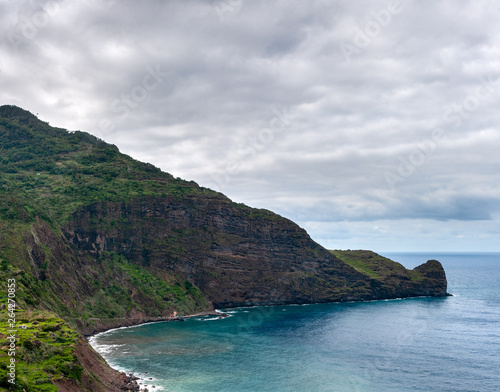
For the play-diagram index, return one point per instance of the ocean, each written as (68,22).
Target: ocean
(420,344)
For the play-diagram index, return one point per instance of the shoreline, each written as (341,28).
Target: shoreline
(105,325)
(142,321)
(131,378)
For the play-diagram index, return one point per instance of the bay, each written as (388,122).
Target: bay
(419,344)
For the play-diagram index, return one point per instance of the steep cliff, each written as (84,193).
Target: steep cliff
(237,256)
(104,240)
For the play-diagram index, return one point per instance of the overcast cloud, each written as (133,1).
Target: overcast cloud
(373,124)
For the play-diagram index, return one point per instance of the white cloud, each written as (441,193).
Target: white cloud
(222,73)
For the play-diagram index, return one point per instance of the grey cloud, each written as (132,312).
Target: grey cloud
(223,77)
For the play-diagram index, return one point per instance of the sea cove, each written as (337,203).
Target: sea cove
(419,344)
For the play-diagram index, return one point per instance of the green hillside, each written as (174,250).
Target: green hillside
(51,172)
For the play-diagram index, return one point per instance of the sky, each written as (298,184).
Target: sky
(372,124)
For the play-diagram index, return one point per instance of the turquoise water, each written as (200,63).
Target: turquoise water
(423,344)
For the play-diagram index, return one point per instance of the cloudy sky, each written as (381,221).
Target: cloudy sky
(372,124)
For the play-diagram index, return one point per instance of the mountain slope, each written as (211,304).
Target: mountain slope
(104,240)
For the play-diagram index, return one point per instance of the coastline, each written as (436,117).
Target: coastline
(134,322)
(131,380)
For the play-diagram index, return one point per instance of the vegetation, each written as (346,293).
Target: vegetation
(50,172)
(114,299)
(45,352)
(376,266)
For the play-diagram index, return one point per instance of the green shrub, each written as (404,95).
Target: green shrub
(40,381)
(51,327)
(50,369)
(71,370)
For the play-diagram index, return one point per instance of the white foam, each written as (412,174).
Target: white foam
(209,319)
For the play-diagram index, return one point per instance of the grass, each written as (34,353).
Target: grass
(376,266)
(358,264)
(45,351)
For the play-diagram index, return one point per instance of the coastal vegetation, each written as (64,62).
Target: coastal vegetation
(45,352)
(375,265)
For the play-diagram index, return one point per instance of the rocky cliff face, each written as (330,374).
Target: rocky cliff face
(236,255)
(434,282)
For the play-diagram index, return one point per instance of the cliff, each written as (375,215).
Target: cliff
(238,256)
(104,240)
